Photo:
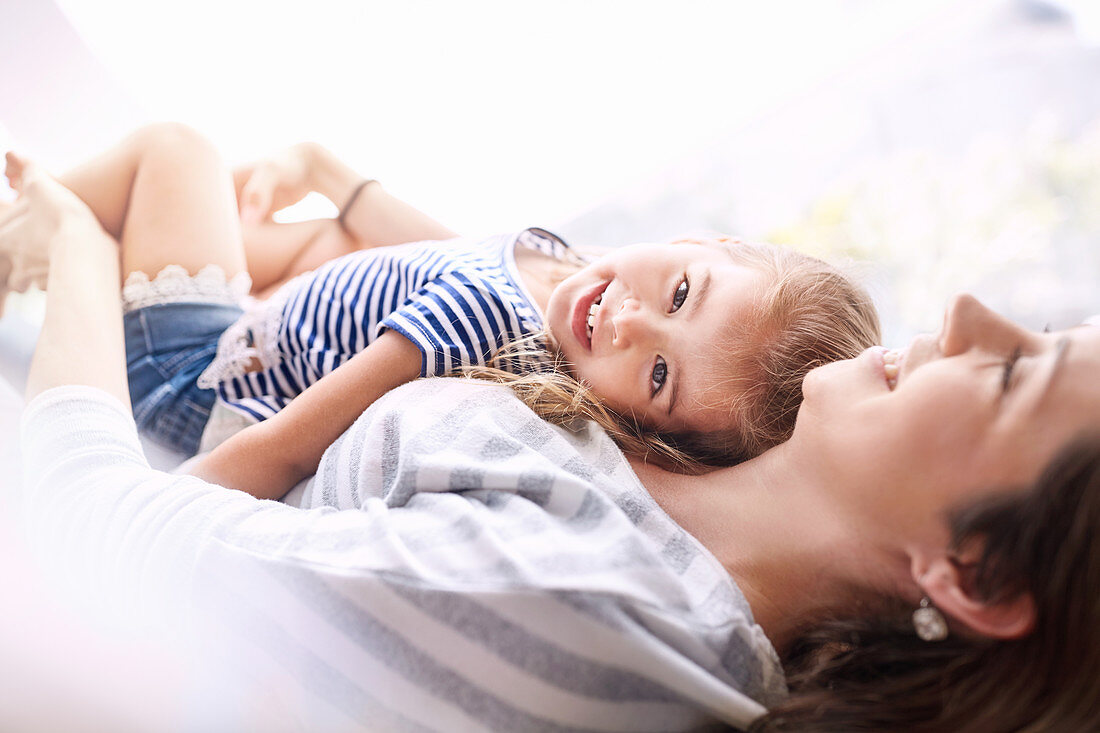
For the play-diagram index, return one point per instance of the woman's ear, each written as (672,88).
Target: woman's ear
(946,582)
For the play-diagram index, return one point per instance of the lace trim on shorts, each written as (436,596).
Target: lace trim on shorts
(174,284)
(253,336)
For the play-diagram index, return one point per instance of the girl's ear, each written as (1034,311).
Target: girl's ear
(945,580)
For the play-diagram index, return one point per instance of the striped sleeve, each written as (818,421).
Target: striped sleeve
(386,652)
(455,321)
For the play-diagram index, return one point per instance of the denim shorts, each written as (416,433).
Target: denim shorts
(167,347)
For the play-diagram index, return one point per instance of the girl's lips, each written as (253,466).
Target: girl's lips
(579,322)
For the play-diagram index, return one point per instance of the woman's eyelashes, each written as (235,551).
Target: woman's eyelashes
(680,294)
(1009,368)
(658,376)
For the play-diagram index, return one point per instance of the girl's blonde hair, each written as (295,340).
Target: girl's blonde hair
(810,313)
(557,397)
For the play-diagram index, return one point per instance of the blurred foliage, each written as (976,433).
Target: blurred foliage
(1016,221)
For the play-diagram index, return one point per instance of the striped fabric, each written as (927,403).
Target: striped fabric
(458,300)
(462,566)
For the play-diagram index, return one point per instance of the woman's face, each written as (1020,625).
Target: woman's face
(981,406)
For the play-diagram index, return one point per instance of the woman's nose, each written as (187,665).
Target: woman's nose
(967,323)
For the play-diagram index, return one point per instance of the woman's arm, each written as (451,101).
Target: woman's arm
(270,458)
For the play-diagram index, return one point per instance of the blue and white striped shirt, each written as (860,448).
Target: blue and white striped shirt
(458,301)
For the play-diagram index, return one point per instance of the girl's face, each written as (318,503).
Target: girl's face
(984,404)
(638,327)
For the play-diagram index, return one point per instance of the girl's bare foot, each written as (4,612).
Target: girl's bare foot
(28,227)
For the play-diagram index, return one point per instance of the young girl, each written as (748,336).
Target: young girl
(700,344)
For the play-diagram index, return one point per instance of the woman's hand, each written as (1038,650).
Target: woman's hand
(277,182)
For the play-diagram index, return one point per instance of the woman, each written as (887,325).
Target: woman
(503,574)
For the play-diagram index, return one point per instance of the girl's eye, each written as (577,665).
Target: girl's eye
(658,376)
(1010,365)
(680,295)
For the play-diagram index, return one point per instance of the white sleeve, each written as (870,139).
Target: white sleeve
(94,508)
(130,537)
(492,578)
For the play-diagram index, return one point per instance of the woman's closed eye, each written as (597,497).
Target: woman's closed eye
(1009,368)
(680,294)
(658,376)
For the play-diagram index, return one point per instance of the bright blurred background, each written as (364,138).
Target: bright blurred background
(951,145)
(490,113)
(945,145)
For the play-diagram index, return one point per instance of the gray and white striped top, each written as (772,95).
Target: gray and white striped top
(460,565)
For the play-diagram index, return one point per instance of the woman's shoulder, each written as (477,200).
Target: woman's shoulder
(451,430)
(553,517)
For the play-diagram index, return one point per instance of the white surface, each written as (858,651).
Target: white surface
(10,406)
(492,115)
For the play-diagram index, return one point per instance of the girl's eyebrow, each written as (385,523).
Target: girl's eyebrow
(700,293)
(674,392)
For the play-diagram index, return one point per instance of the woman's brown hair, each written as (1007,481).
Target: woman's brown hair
(876,675)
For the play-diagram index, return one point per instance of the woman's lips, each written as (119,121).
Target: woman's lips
(891,366)
(579,322)
(889,363)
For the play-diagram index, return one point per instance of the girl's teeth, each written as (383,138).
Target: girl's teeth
(592,311)
(891,371)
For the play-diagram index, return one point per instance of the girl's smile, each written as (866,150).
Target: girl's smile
(585,313)
(641,325)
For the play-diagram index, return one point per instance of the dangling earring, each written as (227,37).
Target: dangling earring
(929,622)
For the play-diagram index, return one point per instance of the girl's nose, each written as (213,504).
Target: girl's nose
(629,323)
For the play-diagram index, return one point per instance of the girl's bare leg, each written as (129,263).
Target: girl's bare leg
(168,198)
(277,252)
